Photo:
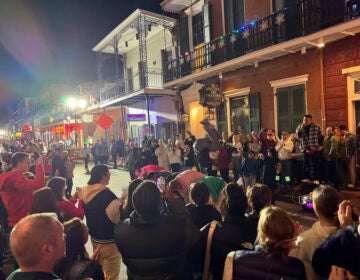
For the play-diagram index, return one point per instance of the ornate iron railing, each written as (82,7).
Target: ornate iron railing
(149,78)
(301,19)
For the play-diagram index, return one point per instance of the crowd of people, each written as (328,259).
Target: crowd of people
(202,223)
(259,157)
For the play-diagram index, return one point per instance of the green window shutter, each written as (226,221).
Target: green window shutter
(298,105)
(290,107)
(238,16)
(184,34)
(283,109)
(254,105)
(229,15)
(206,22)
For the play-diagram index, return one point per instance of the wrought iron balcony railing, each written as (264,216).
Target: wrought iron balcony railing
(302,19)
(149,78)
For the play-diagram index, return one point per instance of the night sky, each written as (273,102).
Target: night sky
(50,41)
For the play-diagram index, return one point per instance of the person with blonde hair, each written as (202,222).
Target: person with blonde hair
(276,235)
(325,201)
(162,155)
(37,243)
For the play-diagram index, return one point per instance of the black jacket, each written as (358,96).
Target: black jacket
(156,249)
(230,235)
(258,265)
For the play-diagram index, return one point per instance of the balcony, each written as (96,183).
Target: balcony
(150,78)
(299,21)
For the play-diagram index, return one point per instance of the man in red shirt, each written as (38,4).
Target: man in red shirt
(16,190)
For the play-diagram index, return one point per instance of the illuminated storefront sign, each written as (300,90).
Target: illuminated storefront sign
(136,117)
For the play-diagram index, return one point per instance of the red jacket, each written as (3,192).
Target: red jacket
(16,193)
(68,209)
(223,159)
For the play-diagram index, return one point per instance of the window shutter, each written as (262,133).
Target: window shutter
(254,105)
(298,106)
(238,14)
(283,108)
(184,34)
(206,22)
(290,107)
(228,11)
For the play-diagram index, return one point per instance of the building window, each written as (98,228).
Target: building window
(245,113)
(198,29)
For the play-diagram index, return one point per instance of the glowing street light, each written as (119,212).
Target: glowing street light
(74,104)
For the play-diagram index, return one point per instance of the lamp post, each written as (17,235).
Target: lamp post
(74,104)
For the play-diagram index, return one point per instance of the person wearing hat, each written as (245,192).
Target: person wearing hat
(154,245)
(284,148)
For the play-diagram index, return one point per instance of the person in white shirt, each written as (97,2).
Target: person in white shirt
(325,201)
(285,147)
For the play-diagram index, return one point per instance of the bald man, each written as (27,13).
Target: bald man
(37,243)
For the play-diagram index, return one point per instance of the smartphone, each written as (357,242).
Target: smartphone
(160,182)
(287,179)
(277,178)
(355,210)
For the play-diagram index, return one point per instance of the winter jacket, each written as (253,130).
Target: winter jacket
(233,234)
(341,249)
(101,208)
(16,193)
(156,249)
(259,265)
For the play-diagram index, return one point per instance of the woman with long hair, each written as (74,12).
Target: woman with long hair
(76,264)
(67,207)
(276,236)
(127,207)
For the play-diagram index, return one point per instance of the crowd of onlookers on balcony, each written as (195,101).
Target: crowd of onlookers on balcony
(183,221)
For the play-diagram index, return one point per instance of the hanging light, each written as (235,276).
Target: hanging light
(149,27)
(126,44)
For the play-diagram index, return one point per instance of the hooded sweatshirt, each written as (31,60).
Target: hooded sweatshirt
(102,212)
(16,193)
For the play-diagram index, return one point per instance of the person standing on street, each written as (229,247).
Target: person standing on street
(16,190)
(113,153)
(311,141)
(85,153)
(350,140)
(101,208)
(133,159)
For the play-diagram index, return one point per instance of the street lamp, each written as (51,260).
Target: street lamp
(74,104)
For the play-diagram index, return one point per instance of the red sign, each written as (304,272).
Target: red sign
(27,127)
(104,121)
